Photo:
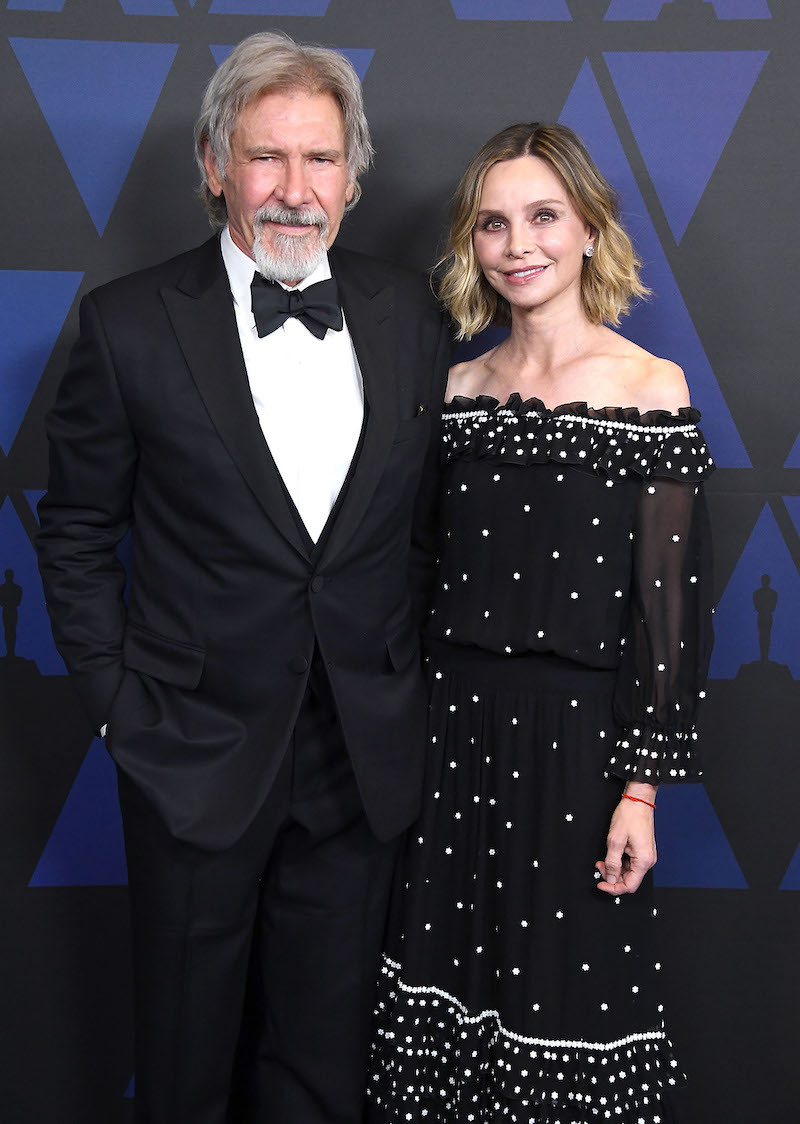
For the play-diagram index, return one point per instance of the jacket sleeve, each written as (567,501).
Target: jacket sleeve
(425,529)
(84,515)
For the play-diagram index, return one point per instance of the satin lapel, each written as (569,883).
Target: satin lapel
(204,322)
(370,318)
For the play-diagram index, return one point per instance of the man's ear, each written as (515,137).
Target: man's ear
(212,170)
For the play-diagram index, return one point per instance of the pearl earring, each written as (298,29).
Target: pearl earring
(589,251)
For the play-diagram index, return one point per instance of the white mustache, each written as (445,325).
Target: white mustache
(290,217)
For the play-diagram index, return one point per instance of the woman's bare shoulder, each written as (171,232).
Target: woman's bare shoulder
(661,386)
(468,379)
(651,383)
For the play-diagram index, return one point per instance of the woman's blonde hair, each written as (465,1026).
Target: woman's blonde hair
(610,279)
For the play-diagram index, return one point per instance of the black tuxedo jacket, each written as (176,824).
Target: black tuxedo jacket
(199,666)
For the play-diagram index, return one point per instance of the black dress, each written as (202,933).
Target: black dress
(568,645)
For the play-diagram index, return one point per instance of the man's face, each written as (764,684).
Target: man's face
(287,182)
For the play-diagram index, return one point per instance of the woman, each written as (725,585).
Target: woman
(569,642)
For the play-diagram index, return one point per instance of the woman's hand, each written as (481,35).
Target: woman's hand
(631,843)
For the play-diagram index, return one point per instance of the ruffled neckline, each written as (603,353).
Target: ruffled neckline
(516,404)
(613,441)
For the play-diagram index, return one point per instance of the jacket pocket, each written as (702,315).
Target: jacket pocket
(171,661)
(411,427)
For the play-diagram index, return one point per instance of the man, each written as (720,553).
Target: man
(271,447)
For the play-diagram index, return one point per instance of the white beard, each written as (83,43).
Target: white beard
(291,257)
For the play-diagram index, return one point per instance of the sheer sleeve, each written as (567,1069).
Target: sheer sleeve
(668,638)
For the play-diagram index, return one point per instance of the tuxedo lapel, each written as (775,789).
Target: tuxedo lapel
(369,313)
(201,311)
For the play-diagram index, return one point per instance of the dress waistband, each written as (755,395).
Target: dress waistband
(530,670)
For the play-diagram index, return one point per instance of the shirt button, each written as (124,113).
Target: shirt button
(317,584)
(298,664)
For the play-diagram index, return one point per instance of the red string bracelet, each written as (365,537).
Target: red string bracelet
(638,800)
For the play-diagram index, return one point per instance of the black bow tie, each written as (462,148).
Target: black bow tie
(317,306)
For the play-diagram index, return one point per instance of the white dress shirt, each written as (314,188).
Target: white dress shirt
(308,394)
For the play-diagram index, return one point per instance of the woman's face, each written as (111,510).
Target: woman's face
(528,237)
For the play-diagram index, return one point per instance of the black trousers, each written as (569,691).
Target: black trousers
(255,967)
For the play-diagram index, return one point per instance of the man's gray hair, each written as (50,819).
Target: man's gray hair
(271,62)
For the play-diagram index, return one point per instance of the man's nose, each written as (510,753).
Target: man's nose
(293,188)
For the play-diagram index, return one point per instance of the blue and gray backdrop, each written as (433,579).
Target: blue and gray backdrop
(690,107)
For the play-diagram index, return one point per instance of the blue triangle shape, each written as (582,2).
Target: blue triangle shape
(663,325)
(269,7)
(735,622)
(793,460)
(36,5)
(148,7)
(33,307)
(683,107)
(791,879)
(131,1090)
(359,57)
(648,10)
(33,496)
(97,98)
(741,9)
(86,846)
(793,507)
(34,639)
(693,850)
(511,9)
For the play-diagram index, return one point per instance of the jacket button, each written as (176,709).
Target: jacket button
(298,664)
(317,584)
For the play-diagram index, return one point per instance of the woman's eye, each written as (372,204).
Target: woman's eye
(545,216)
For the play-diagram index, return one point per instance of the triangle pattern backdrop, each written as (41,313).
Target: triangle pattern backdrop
(793,460)
(36,5)
(97,98)
(86,846)
(735,621)
(148,7)
(683,107)
(663,325)
(693,850)
(358,57)
(34,639)
(33,307)
(511,9)
(724,9)
(791,880)
(269,7)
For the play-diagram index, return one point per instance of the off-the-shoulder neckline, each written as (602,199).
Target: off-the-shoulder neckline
(518,404)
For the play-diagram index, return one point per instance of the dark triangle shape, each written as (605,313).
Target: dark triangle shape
(735,620)
(97,98)
(683,107)
(693,850)
(647,10)
(33,307)
(663,325)
(86,846)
